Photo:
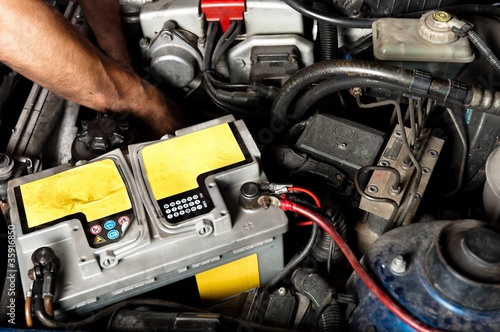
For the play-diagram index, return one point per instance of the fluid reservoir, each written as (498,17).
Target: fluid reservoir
(427,44)
(491,191)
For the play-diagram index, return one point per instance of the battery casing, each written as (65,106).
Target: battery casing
(227,248)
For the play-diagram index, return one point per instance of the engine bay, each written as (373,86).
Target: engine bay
(339,173)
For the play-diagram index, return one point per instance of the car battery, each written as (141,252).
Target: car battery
(128,223)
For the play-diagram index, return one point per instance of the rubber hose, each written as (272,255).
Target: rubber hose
(332,85)
(332,318)
(316,288)
(108,312)
(341,21)
(320,71)
(485,50)
(328,36)
(321,249)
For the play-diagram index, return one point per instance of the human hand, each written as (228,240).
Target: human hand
(157,114)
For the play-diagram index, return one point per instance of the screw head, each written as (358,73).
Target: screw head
(398,265)
(239,63)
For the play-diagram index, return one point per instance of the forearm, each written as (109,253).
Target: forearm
(104,18)
(42,45)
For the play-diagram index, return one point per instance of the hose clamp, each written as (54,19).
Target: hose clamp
(420,83)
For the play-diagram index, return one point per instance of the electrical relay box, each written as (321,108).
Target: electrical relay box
(127,223)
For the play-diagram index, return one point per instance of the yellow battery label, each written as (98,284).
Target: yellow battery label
(95,189)
(229,279)
(173,166)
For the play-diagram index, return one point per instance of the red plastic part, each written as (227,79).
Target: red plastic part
(223,11)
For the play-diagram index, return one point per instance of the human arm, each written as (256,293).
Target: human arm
(104,19)
(40,44)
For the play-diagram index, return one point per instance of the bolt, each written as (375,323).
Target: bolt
(239,63)
(108,262)
(433,153)
(282,291)
(384,163)
(292,58)
(356,91)
(167,36)
(395,191)
(398,265)
(406,163)
(372,189)
(343,146)
(143,42)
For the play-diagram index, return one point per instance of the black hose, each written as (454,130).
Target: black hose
(125,320)
(484,49)
(322,295)
(323,245)
(446,90)
(331,85)
(332,319)
(50,322)
(328,36)
(341,21)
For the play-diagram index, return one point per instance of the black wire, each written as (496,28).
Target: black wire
(212,92)
(484,50)
(295,260)
(341,21)
(226,85)
(465,152)
(226,41)
(211,34)
(221,41)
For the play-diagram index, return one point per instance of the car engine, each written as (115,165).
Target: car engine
(341,173)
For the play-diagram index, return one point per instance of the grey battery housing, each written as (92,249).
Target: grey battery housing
(154,252)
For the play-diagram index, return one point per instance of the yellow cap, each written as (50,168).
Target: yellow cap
(441,16)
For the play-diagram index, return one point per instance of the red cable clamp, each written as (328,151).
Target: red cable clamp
(224,11)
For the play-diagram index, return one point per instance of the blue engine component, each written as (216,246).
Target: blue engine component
(444,273)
